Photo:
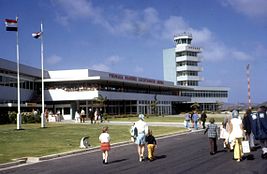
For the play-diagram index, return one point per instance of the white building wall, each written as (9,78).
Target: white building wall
(63,74)
(169,65)
(62,95)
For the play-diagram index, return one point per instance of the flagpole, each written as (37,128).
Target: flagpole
(42,64)
(18,82)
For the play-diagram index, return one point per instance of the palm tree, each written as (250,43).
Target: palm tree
(153,106)
(101,101)
(195,106)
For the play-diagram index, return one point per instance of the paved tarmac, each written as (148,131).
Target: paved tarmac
(187,154)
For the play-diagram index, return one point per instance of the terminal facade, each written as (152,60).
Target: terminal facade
(67,91)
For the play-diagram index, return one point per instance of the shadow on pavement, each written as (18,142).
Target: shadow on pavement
(117,161)
(160,157)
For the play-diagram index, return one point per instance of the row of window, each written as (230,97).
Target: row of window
(183,41)
(109,87)
(205,94)
(145,102)
(188,83)
(12,82)
(186,53)
(186,73)
(188,63)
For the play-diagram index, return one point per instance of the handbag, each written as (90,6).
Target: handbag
(245,146)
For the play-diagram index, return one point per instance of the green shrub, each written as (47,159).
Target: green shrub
(26,117)
(12,117)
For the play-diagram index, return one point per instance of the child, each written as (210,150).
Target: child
(151,144)
(212,134)
(224,135)
(133,132)
(104,139)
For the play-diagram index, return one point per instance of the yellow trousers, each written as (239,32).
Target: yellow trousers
(150,151)
(238,149)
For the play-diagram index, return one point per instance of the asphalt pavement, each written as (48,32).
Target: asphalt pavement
(186,153)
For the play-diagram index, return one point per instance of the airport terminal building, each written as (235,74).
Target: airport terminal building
(67,91)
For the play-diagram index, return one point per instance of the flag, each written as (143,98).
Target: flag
(247,67)
(37,35)
(11,25)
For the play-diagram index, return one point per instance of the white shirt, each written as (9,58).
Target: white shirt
(77,115)
(104,138)
(237,131)
(141,127)
(82,112)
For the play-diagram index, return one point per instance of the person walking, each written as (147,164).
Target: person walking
(212,130)
(195,118)
(203,118)
(259,129)
(82,116)
(91,115)
(224,136)
(142,130)
(96,116)
(236,135)
(187,120)
(247,129)
(105,139)
(77,117)
(151,145)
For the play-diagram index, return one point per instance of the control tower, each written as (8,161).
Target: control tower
(187,61)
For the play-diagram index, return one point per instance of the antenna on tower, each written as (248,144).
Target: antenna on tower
(248,78)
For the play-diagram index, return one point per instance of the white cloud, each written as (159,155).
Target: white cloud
(101,67)
(252,8)
(134,22)
(113,60)
(147,23)
(239,55)
(53,60)
(173,25)
(72,10)
(108,63)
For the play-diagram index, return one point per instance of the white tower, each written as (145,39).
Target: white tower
(187,61)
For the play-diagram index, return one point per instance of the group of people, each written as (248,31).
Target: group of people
(95,116)
(49,114)
(141,136)
(80,117)
(234,130)
(195,120)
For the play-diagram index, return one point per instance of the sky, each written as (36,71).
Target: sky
(128,37)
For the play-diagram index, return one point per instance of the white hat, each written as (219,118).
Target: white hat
(235,114)
(141,116)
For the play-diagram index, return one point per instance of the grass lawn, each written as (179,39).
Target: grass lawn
(150,119)
(217,117)
(57,137)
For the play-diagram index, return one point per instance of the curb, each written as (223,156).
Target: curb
(31,160)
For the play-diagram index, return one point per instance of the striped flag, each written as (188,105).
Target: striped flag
(11,25)
(37,35)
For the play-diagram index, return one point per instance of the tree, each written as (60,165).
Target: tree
(195,106)
(153,105)
(101,101)
(218,105)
